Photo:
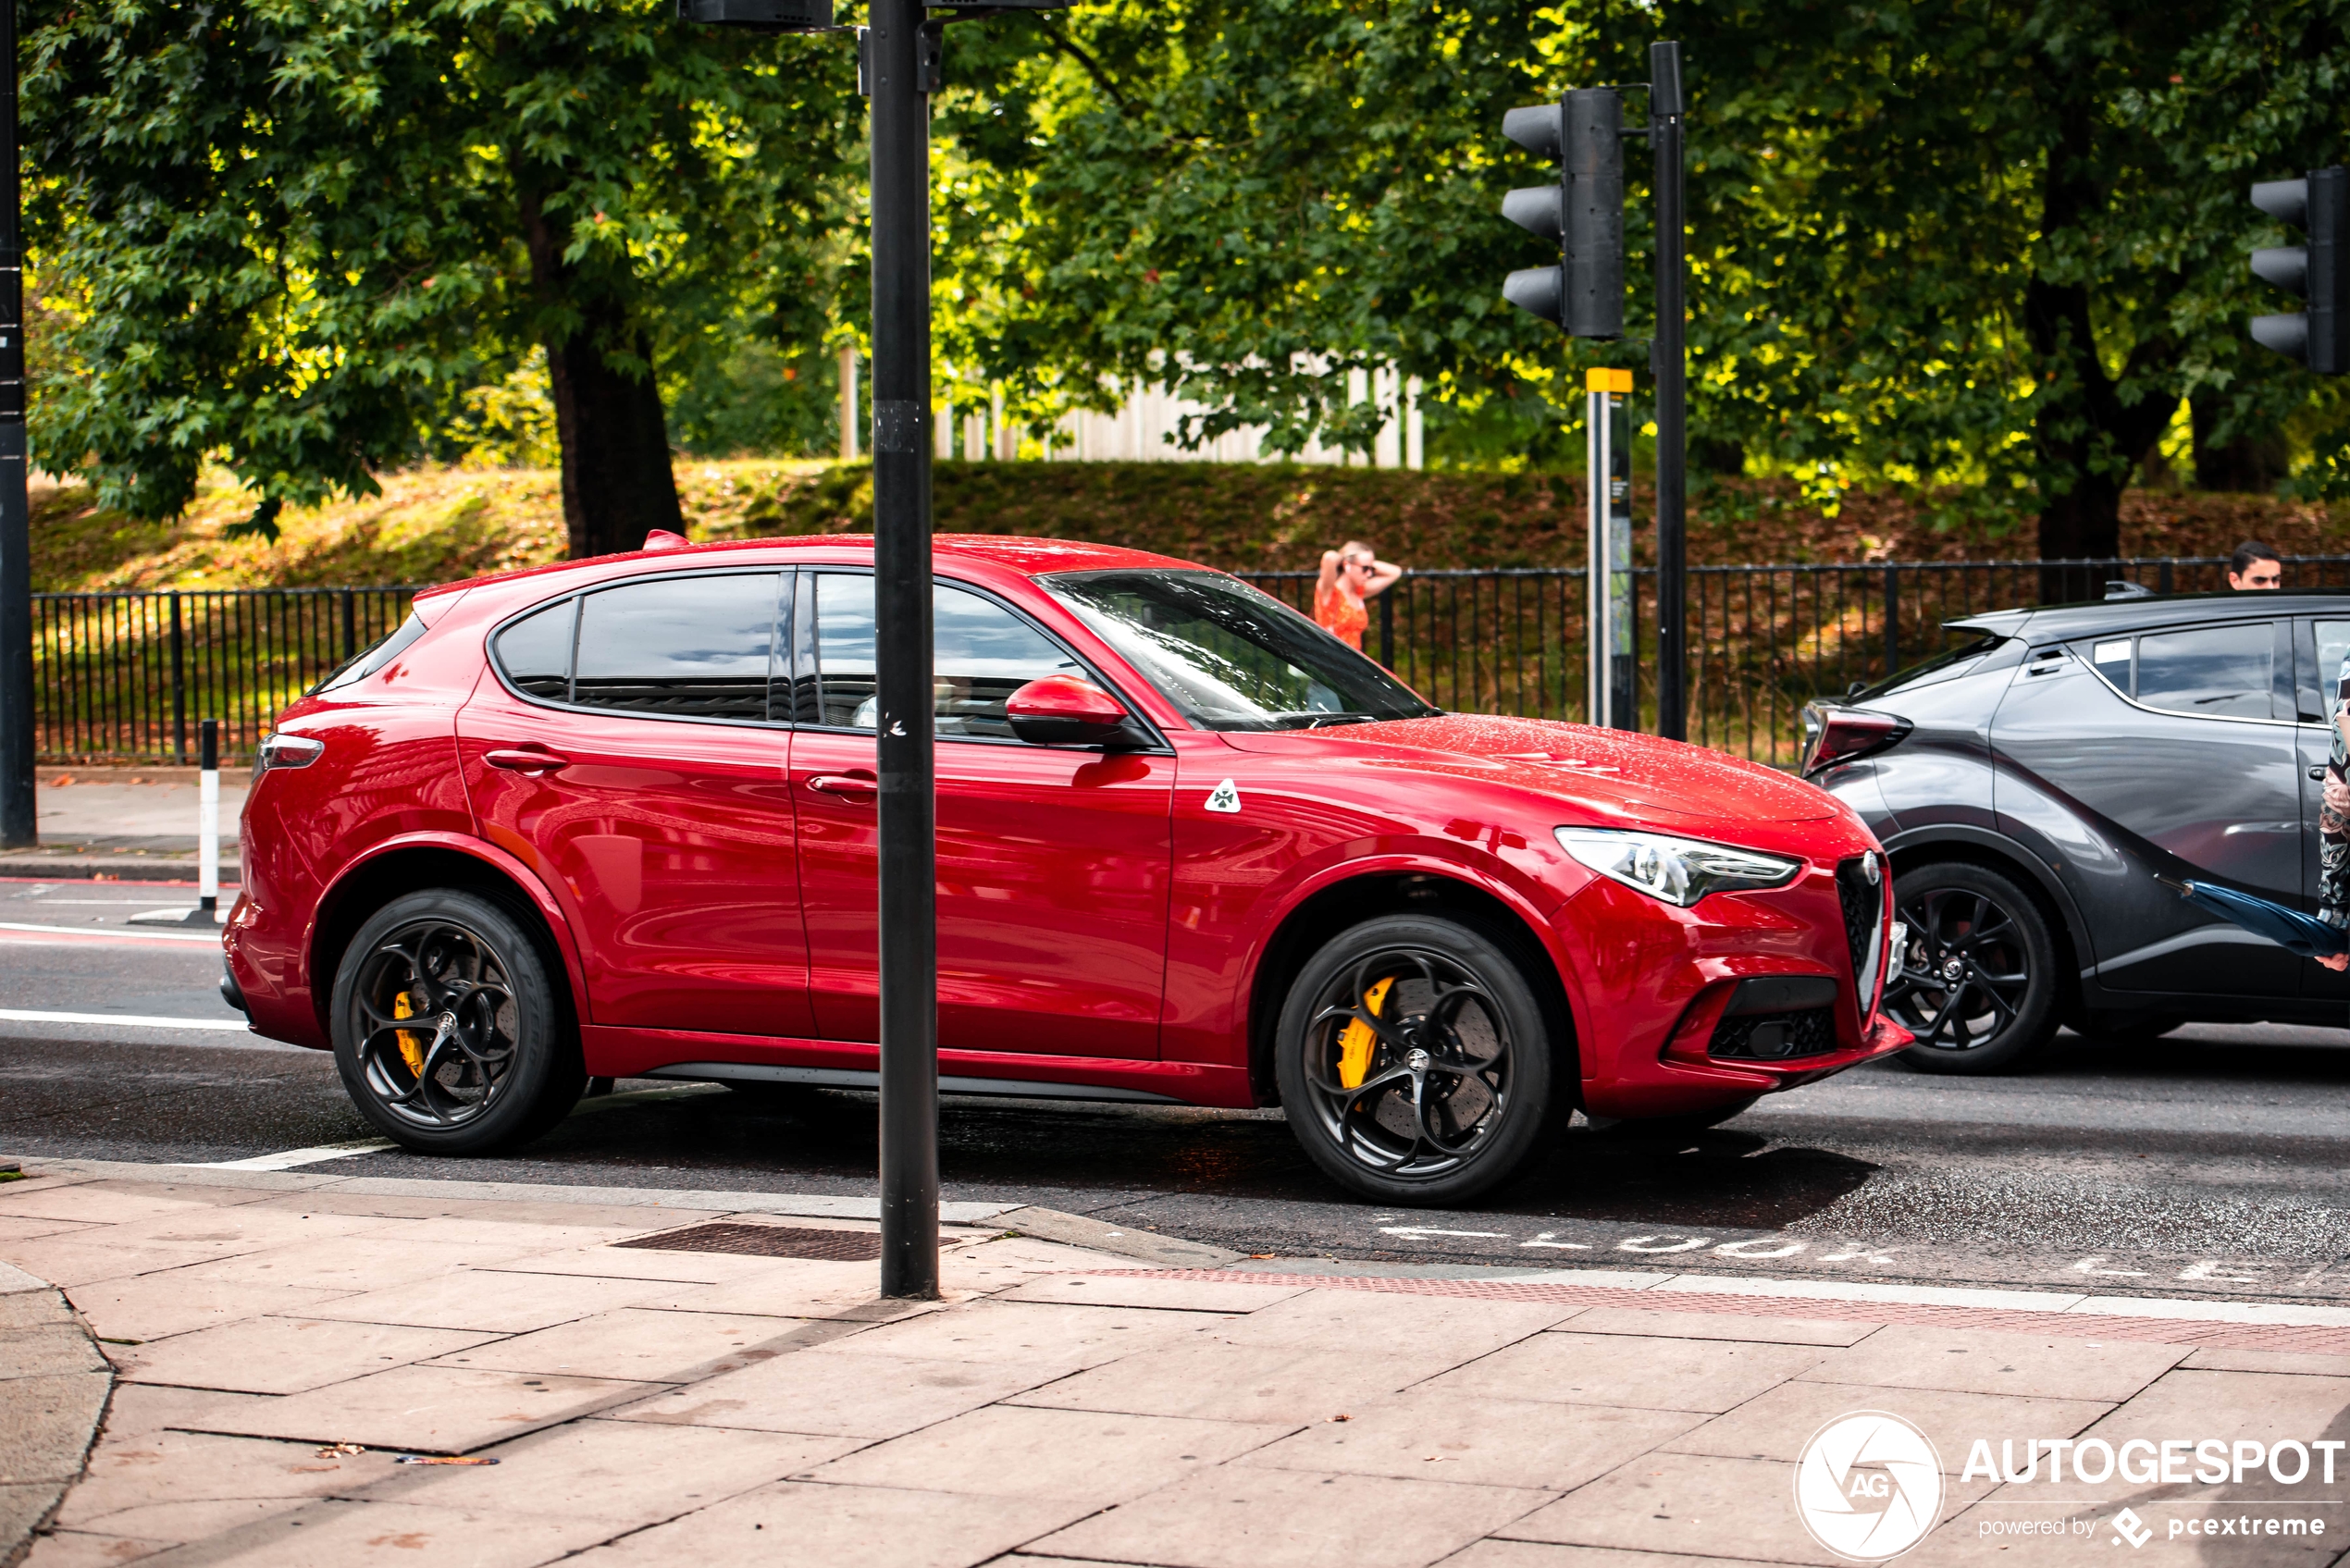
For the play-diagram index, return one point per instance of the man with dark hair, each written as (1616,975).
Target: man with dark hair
(2255,565)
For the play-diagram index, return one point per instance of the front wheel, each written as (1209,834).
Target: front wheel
(1415,1061)
(447,1032)
(1978,983)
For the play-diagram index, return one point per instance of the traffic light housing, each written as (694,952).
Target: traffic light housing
(760,16)
(1584,212)
(2319,271)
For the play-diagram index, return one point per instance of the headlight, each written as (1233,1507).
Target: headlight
(1680,870)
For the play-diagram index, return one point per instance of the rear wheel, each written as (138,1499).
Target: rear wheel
(1978,982)
(447,1032)
(1415,1061)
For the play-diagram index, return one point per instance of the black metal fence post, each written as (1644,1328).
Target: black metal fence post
(1387,625)
(178,686)
(1892,620)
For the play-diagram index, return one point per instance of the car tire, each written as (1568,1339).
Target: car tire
(1458,1022)
(496,1062)
(1996,1007)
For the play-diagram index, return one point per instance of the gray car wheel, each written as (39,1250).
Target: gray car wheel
(1978,982)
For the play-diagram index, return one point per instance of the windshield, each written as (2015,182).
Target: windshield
(1229,656)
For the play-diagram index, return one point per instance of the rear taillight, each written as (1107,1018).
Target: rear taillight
(287,751)
(1840,735)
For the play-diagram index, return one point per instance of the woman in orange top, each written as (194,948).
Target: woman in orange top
(1351,573)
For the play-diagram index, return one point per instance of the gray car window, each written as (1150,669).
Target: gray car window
(2208,671)
(696,646)
(980,654)
(2333,648)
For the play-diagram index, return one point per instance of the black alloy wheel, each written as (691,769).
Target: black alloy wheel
(1978,977)
(1415,1061)
(447,1032)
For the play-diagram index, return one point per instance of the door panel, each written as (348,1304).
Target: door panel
(2176,791)
(1053,862)
(672,840)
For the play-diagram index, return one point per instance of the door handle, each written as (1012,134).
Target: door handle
(518,760)
(2316,773)
(851,786)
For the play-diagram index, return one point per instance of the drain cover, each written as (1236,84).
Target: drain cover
(766,1241)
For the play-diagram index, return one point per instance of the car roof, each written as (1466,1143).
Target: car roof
(1030,557)
(2052,623)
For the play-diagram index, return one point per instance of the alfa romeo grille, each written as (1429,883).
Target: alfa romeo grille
(1863,925)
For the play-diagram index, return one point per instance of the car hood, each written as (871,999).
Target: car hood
(1612,774)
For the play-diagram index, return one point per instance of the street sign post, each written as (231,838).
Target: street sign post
(17,826)
(1612,702)
(1583,291)
(899,57)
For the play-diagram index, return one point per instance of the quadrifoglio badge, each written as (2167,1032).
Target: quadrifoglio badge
(1868,1487)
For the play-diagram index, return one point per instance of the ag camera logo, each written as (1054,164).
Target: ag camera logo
(1868,1486)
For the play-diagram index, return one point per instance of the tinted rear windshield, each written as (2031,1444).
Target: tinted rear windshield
(1229,656)
(1946,665)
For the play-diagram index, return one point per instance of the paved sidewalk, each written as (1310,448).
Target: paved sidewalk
(658,1387)
(124,823)
(53,1391)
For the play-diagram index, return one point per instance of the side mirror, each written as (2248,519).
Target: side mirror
(1065,711)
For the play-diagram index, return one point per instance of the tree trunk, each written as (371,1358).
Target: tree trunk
(2087,441)
(2247,464)
(617,484)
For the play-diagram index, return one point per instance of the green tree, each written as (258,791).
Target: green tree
(1990,243)
(288,233)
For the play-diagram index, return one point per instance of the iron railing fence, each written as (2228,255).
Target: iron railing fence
(127,675)
(1763,640)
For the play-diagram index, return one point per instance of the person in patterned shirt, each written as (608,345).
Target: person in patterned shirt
(2333,823)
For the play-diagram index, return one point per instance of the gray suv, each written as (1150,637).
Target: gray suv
(2032,781)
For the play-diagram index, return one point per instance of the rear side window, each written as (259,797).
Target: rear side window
(694,648)
(536,651)
(2208,671)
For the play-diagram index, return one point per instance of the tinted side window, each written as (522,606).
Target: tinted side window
(2208,671)
(2334,665)
(980,654)
(536,651)
(983,654)
(844,651)
(681,647)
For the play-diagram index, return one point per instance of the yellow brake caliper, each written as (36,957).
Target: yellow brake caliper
(1356,1042)
(412,1049)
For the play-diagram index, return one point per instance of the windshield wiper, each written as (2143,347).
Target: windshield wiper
(1314,719)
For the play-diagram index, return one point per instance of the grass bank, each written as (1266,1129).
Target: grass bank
(437,525)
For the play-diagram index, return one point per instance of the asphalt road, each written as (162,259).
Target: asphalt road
(2208,1164)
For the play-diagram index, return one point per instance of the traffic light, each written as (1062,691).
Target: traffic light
(2319,272)
(760,16)
(1584,212)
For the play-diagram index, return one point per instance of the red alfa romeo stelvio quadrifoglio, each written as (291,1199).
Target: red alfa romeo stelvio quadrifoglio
(615,818)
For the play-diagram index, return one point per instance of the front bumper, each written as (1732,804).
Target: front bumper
(1653,985)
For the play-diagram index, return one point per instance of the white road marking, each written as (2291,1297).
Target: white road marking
(133,1020)
(1417,1231)
(112,931)
(293,1158)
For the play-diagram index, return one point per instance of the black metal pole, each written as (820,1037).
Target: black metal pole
(902,614)
(1672,396)
(17,828)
